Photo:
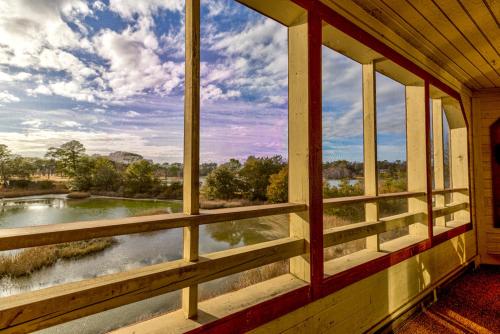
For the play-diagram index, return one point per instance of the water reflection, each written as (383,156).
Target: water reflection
(131,251)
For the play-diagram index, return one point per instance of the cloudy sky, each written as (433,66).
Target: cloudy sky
(110,74)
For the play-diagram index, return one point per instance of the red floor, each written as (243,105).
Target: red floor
(471,304)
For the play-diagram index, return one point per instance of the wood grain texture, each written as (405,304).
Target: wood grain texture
(14,238)
(47,307)
(339,235)
(370,149)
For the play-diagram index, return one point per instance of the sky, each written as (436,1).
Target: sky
(110,74)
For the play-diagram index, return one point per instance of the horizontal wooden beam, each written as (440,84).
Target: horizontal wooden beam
(333,202)
(339,235)
(449,209)
(450,190)
(14,238)
(40,309)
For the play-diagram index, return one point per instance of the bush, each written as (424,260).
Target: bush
(222,183)
(277,191)
(23,184)
(173,191)
(140,178)
(45,185)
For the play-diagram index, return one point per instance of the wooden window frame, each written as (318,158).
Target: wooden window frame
(305,19)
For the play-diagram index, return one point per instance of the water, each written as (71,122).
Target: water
(131,251)
(336,183)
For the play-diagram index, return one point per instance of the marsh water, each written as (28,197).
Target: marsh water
(130,251)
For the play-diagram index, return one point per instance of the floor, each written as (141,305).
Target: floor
(470,304)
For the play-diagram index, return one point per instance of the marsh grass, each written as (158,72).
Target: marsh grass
(248,278)
(27,261)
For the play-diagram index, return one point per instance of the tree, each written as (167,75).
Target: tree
(82,177)
(175,169)
(277,191)
(256,172)
(105,176)
(140,177)
(68,155)
(5,159)
(21,167)
(207,167)
(222,183)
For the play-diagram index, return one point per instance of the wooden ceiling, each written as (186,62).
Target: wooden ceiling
(461,37)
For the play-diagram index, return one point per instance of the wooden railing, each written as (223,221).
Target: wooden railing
(47,307)
(52,234)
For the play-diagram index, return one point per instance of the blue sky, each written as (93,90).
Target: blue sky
(110,74)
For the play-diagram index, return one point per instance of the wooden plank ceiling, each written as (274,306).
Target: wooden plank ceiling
(461,37)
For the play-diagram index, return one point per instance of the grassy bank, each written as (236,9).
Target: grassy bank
(13,193)
(30,260)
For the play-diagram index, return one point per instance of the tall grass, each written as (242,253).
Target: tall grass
(27,261)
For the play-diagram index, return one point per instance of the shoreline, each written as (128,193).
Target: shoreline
(28,193)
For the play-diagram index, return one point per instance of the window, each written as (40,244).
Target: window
(450,178)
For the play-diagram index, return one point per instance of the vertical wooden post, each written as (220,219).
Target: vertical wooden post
(459,170)
(416,147)
(304,145)
(438,154)
(191,181)
(458,155)
(370,149)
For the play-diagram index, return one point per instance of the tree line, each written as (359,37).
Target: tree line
(262,179)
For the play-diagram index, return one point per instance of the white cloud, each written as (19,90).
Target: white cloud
(6,97)
(134,63)
(127,8)
(27,27)
(21,76)
(40,89)
(33,123)
(252,60)
(132,114)
(68,124)
(99,5)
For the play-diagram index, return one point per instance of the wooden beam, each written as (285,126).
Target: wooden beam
(339,201)
(351,232)
(23,237)
(416,147)
(450,190)
(451,208)
(191,176)
(370,150)
(283,11)
(40,309)
(438,154)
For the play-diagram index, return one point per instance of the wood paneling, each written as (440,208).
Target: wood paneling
(486,110)
(458,36)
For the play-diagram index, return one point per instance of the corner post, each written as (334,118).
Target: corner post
(370,149)
(305,140)
(416,146)
(438,154)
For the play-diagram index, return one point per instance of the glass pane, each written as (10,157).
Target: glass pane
(244,107)
(391,135)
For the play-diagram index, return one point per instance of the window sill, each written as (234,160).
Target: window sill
(217,308)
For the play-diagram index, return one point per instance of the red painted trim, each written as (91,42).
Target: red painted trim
(442,237)
(341,280)
(257,315)
(428,160)
(315,152)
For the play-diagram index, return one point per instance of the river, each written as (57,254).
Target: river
(131,251)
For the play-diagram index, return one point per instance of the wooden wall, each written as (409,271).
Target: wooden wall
(367,304)
(485,111)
